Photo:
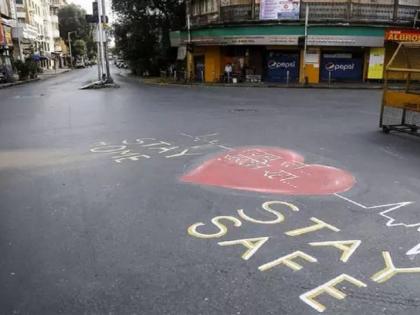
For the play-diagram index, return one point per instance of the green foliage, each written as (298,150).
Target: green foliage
(26,69)
(142,34)
(71,18)
(22,69)
(79,47)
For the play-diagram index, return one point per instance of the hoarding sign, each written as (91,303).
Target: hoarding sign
(376,63)
(279,9)
(341,69)
(403,35)
(282,67)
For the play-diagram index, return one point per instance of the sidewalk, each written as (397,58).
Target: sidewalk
(323,85)
(47,74)
(334,85)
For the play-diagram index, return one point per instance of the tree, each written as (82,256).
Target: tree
(142,33)
(71,18)
(79,47)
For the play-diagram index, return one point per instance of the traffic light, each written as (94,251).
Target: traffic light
(95,9)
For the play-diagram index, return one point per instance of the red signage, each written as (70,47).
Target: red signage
(403,35)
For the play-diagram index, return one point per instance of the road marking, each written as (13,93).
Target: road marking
(319,225)
(267,206)
(390,270)
(192,230)
(288,261)
(341,245)
(329,288)
(252,244)
(392,222)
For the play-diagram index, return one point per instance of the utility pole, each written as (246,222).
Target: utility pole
(108,73)
(71,55)
(100,34)
(305,48)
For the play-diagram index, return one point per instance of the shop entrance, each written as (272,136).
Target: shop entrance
(282,66)
(341,66)
(199,68)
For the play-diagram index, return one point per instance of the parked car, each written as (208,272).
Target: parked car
(80,64)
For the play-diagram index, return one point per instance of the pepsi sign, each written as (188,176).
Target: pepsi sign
(273,64)
(341,69)
(281,67)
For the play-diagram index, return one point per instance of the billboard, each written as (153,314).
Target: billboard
(279,9)
(344,69)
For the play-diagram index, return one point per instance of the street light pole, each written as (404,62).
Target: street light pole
(71,56)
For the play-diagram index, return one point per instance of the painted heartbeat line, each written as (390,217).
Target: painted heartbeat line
(389,208)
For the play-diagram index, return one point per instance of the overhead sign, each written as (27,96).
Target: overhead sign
(376,63)
(403,35)
(345,40)
(279,9)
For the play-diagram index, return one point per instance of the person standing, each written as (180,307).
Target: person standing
(228,72)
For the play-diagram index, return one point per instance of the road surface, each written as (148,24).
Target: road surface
(199,200)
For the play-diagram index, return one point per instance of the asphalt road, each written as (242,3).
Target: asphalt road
(101,190)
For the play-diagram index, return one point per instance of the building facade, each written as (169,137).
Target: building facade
(36,33)
(294,40)
(7,15)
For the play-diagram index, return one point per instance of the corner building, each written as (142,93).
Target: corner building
(270,41)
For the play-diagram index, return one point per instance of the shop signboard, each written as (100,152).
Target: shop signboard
(282,67)
(2,39)
(287,40)
(279,9)
(403,35)
(8,35)
(339,68)
(376,63)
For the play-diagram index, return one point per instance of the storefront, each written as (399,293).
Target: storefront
(275,53)
(6,49)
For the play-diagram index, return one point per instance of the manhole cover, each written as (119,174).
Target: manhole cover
(244,110)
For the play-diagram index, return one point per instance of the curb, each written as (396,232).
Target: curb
(332,87)
(53,75)
(7,85)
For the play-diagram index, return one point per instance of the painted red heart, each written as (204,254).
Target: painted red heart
(270,170)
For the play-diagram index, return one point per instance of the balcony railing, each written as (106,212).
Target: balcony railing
(344,11)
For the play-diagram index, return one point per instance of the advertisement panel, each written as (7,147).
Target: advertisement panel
(341,69)
(282,67)
(279,9)
(376,63)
